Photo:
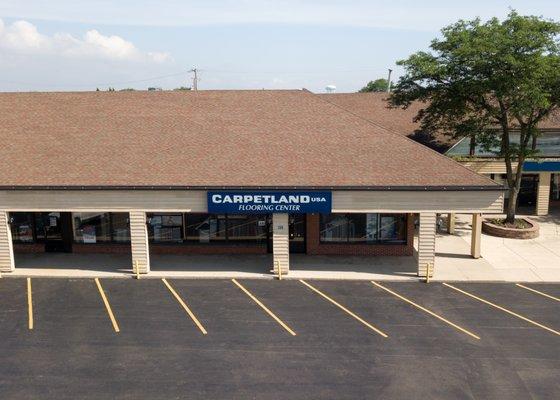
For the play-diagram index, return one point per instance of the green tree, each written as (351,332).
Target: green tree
(378,85)
(485,79)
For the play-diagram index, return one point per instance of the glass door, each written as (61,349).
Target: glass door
(57,228)
(297,233)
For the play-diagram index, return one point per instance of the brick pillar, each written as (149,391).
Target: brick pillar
(281,243)
(6,247)
(543,193)
(426,242)
(451,223)
(139,241)
(476,235)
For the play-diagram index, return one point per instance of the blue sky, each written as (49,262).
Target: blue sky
(243,44)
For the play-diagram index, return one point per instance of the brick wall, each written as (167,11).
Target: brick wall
(29,248)
(211,249)
(101,248)
(315,247)
(170,249)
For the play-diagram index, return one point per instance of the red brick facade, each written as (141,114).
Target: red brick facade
(313,246)
(115,248)
(201,249)
(29,247)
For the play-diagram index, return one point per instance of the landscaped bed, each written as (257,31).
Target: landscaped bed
(521,228)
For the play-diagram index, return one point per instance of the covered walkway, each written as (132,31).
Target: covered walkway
(216,266)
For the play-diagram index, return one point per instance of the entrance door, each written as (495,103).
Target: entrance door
(296,233)
(58,232)
(528,190)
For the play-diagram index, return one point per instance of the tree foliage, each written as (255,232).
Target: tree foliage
(485,79)
(378,85)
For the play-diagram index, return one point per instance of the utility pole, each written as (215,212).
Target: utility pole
(389,81)
(195,78)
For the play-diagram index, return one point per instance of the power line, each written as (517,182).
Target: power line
(102,84)
(292,72)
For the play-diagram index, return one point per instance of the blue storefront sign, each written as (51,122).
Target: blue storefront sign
(269,202)
(541,166)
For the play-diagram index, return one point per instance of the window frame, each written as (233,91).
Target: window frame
(377,241)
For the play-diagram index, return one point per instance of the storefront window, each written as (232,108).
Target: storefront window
(246,228)
(120,227)
(363,228)
(41,225)
(92,227)
(392,228)
(165,228)
(204,228)
(335,227)
(22,227)
(221,228)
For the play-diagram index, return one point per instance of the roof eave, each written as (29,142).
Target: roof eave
(447,188)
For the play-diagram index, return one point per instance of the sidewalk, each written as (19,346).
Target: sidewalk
(510,260)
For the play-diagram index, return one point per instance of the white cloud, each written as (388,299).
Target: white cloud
(22,37)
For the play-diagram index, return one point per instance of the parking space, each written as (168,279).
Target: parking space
(154,338)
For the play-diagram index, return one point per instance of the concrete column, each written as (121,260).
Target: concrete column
(451,223)
(6,247)
(426,242)
(476,235)
(281,243)
(139,241)
(543,193)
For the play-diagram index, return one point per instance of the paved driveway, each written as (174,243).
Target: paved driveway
(262,339)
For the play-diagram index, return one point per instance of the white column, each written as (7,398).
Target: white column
(426,242)
(6,247)
(451,223)
(281,243)
(476,235)
(139,242)
(543,193)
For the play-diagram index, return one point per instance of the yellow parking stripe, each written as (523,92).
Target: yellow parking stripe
(373,328)
(503,309)
(184,305)
(107,306)
(29,305)
(282,324)
(433,314)
(537,292)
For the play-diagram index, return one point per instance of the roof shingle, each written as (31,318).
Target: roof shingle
(208,139)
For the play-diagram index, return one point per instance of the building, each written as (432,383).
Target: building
(541,178)
(219,172)
(540,182)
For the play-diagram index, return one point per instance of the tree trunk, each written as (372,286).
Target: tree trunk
(472,146)
(512,204)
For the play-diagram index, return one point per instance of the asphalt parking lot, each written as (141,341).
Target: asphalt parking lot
(262,339)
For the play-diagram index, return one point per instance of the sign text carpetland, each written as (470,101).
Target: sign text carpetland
(269,202)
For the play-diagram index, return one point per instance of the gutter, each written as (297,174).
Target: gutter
(495,188)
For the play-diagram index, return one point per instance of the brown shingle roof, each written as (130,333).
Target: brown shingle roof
(374,107)
(207,139)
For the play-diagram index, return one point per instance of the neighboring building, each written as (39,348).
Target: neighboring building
(204,173)
(541,179)
(540,183)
